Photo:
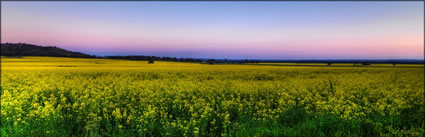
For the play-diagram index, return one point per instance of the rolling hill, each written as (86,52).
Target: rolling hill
(23,49)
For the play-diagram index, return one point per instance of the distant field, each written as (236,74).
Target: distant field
(343,65)
(46,96)
(46,62)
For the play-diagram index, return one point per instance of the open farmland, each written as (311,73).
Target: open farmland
(45,96)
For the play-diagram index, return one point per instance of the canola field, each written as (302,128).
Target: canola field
(46,96)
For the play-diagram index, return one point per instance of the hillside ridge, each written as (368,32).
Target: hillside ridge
(24,49)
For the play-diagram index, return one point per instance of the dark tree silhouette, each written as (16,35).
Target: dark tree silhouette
(365,63)
(211,61)
(151,61)
(394,63)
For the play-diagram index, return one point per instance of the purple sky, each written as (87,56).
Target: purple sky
(261,30)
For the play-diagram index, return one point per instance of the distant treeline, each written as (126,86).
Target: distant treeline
(209,61)
(138,57)
(23,49)
(241,61)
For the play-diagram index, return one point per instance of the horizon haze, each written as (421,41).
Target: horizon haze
(232,30)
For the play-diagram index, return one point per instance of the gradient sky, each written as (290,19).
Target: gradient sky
(261,30)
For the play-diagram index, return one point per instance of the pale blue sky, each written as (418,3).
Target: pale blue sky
(270,30)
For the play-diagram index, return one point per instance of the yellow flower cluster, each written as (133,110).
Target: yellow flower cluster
(169,98)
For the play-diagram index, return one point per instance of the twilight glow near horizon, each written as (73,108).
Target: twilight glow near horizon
(238,30)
